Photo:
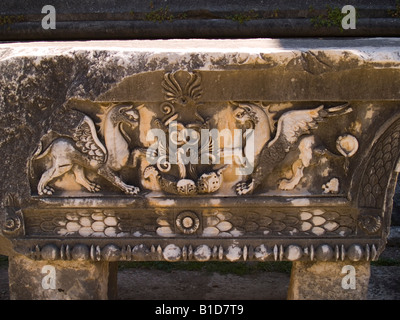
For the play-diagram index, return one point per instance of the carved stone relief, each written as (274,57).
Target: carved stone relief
(375,207)
(221,223)
(178,177)
(85,150)
(191,147)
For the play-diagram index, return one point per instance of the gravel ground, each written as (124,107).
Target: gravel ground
(195,285)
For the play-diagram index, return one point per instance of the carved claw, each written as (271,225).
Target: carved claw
(93,187)
(243,188)
(131,190)
(47,190)
(149,172)
(286,184)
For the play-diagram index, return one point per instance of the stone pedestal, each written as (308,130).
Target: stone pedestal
(345,280)
(61,280)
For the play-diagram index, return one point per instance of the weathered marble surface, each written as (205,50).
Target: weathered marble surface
(80,280)
(76,190)
(342,280)
(330,186)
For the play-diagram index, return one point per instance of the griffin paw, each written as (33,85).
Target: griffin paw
(93,187)
(132,190)
(243,188)
(150,171)
(46,191)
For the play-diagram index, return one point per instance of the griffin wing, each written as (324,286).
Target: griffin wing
(87,141)
(293,124)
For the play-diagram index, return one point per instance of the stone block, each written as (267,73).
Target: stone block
(60,280)
(196,150)
(344,280)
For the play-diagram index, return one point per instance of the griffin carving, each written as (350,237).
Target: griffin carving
(291,125)
(85,150)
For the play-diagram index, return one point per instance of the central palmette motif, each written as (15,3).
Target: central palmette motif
(187,146)
(184,143)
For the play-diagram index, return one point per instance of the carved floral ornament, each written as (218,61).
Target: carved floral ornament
(184,148)
(188,222)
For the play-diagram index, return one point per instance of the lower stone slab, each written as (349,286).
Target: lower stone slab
(44,280)
(344,280)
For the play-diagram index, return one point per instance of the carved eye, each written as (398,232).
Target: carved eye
(239,114)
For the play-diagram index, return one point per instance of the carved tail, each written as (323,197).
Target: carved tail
(44,144)
(42,149)
(38,153)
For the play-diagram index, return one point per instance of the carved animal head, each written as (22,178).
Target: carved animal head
(245,115)
(126,114)
(118,115)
